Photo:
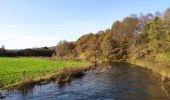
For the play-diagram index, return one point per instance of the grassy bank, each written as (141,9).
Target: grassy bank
(160,64)
(14,71)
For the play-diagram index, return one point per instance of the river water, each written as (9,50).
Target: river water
(122,82)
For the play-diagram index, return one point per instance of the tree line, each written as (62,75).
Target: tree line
(133,37)
(44,51)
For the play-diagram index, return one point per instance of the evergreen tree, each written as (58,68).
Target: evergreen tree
(154,35)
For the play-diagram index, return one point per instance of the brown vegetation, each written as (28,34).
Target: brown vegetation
(134,38)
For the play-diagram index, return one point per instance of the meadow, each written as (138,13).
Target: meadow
(13,69)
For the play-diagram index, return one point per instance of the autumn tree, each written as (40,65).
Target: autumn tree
(64,48)
(144,34)
(82,44)
(166,19)
(166,16)
(107,47)
(94,48)
(154,35)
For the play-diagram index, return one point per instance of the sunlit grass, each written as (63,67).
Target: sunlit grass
(12,69)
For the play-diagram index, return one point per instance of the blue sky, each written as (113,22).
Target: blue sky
(36,23)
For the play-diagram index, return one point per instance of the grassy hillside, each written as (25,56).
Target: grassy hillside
(12,69)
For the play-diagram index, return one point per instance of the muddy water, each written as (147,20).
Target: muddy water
(122,82)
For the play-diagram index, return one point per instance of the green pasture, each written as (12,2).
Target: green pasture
(12,69)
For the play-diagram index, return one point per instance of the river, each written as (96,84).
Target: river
(122,82)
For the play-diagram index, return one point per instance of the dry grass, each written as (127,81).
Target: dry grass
(67,73)
(102,69)
(160,65)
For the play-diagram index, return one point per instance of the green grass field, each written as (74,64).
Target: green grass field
(11,69)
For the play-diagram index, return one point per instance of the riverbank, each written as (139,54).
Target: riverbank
(62,75)
(123,81)
(160,65)
(19,72)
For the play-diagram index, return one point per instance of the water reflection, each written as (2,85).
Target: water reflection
(122,82)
